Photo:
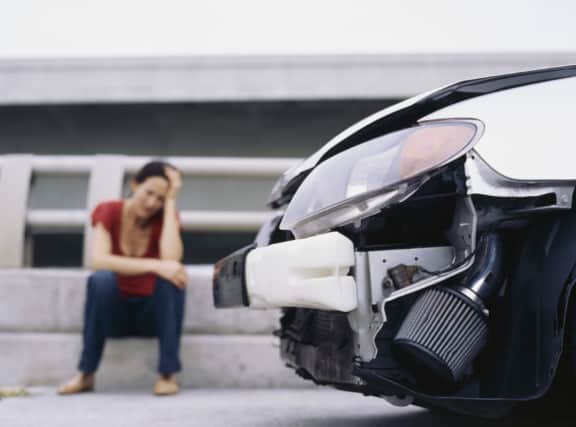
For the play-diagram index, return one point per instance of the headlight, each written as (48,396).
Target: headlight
(388,169)
(276,193)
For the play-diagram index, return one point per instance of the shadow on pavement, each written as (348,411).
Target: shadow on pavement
(428,419)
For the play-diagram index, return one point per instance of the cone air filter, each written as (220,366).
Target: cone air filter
(441,335)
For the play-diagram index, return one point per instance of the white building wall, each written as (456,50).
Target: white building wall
(250,78)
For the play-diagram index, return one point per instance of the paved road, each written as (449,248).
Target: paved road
(219,408)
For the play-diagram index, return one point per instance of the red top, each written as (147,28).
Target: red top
(109,214)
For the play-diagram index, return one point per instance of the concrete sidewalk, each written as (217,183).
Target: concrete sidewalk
(206,408)
(319,407)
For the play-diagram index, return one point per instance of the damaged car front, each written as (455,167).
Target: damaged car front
(400,256)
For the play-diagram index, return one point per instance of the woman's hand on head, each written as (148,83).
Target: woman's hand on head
(175,178)
(173,271)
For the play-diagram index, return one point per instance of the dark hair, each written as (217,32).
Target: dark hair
(150,169)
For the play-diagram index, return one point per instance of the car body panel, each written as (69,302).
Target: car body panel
(522,140)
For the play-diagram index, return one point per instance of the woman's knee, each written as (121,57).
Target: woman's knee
(170,304)
(166,287)
(102,283)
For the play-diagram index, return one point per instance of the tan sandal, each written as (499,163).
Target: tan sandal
(79,384)
(166,386)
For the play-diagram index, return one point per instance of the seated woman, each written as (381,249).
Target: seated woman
(138,288)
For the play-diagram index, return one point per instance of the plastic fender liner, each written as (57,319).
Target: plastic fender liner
(535,319)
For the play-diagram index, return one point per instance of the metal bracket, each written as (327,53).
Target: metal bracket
(371,272)
(482,179)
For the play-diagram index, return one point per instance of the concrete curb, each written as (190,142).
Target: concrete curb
(209,361)
(46,300)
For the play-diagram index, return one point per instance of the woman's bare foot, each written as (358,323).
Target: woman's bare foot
(79,384)
(166,385)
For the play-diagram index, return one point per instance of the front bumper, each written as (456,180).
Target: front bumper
(229,282)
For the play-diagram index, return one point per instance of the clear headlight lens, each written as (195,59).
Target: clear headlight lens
(362,180)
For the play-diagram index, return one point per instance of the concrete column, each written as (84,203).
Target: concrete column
(14,189)
(106,180)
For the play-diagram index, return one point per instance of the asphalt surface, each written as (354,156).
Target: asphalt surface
(244,408)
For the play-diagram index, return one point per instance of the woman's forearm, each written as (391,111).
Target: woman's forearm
(171,246)
(124,265)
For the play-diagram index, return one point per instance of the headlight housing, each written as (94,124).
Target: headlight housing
(388,169)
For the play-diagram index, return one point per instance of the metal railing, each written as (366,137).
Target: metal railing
(197,166)
(106,177)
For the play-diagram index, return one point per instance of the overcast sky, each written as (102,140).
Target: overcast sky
(72,28)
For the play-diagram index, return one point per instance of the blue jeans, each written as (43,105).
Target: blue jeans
(108,314)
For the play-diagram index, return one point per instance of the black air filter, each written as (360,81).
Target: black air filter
(441,335)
